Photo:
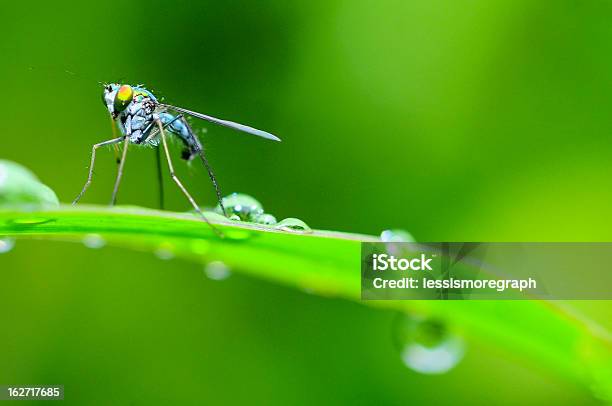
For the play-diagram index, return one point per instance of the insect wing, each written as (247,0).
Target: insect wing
(225,123)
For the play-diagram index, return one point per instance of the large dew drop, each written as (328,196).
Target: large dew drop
(20,188)
(6,244)
(244,207)
(427,346)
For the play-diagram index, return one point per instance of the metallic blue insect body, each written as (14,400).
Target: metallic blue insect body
(136,109)
(137,120)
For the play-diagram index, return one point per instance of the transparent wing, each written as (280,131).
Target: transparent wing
(225,123)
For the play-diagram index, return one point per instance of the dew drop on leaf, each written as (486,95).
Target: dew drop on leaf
(266,219)
(20,188)
(6,244)
(246,207)
(165,251)
(294,225)
(427,346)
(94,241)
(217,270)
(396,235)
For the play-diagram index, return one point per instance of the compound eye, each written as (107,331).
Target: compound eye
(124,96)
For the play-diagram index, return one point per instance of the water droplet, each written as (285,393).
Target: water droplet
(396,235)
(94,241)
(266,219)
(234,217)
(427,346)
(241,205)
(20,188)
(165,251)
(217,270)
(6,244)
(294,225)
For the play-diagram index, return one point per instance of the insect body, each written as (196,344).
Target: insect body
(136,119)
(143,120)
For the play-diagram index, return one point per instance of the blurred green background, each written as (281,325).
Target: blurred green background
(458,121)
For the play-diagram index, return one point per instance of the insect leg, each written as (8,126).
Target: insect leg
(91,165)
(199,149)
(178,182)
(114,130)
(160,176)
(213,179)
(126,143)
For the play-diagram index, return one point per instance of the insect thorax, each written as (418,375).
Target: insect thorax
(136,121)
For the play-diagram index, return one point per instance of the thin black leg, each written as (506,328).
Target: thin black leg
(126,143)
(178,182)
(91,165)
(199,148)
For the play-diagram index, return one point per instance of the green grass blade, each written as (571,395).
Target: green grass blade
(328,263)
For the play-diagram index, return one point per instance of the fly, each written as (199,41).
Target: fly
(143,120)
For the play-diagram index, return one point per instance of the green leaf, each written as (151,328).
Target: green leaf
(328,263)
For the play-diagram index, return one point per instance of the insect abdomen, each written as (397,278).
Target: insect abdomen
(184,132)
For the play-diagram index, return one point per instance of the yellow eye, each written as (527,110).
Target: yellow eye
(125,93)
(123,97)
